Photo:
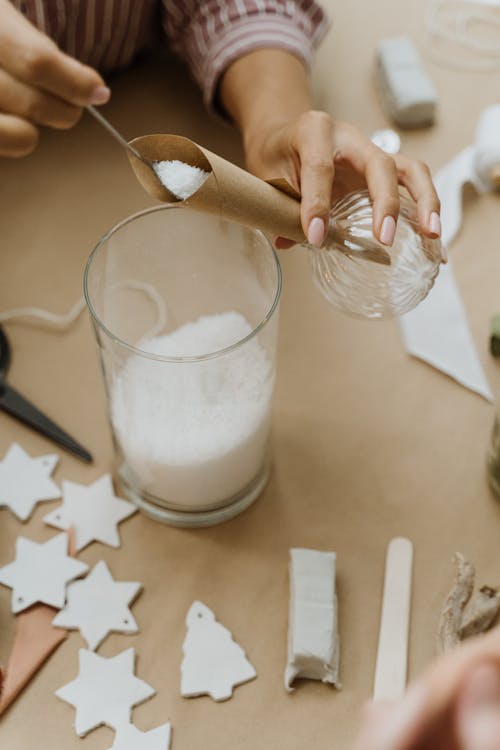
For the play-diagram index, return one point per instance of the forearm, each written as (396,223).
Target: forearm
(265,90)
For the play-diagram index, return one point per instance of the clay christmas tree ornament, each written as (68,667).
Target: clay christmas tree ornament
(93,511)
(213,663)
(105,691)
(40,572)
(25,481)
(98,605)
(128,737)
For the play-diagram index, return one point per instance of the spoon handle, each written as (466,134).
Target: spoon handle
(121,140)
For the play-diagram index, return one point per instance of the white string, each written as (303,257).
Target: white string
(452,21)
(155,297)
(64,322)
(52,320)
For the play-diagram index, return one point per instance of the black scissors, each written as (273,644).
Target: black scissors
(17,406)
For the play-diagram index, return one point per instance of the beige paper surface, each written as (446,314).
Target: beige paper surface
(368,444)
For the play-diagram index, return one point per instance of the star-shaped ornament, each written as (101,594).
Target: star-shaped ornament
(93,511)
(128,737)
(104,691)
(40,572)
(98,605)
(25,481)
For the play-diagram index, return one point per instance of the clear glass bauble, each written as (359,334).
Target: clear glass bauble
(359,275)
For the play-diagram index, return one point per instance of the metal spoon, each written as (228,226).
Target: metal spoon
(121,140)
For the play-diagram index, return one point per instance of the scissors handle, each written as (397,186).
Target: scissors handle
(4,354)
(17,406)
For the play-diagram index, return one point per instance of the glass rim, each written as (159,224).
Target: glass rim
(158,357)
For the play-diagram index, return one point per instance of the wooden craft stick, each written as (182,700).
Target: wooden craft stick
(392,654)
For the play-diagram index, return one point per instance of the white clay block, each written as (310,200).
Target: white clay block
(408,94)
(213,663)
(313,642)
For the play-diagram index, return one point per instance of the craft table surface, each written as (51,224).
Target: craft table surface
(368,443)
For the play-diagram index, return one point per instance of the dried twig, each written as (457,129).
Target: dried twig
(481,612)
(450,622)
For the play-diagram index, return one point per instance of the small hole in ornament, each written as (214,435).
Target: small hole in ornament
(125,622)
(20,599)
(200,615)
(58,517)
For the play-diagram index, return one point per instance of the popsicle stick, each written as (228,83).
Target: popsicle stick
(392,654)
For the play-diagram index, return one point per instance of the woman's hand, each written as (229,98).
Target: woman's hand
(455,705)
(39,84)
(324,159)
(267,93)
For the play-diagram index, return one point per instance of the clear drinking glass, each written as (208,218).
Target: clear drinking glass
(185,311)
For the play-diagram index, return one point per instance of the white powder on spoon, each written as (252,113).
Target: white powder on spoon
(195,433)
(180,178)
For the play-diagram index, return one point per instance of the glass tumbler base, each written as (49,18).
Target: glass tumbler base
(159,511)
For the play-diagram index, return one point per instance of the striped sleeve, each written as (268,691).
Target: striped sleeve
(210,35)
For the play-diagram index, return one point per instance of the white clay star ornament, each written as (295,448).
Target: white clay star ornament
(25,481)
(213,663)
(98,605)
(40,572)
(128,737)
(105,691)
(93,511)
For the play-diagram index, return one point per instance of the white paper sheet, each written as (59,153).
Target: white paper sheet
(437,332)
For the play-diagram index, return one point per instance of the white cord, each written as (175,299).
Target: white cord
(64,322)
(451,21)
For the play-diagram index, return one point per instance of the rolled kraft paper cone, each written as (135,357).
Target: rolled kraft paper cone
(230,192)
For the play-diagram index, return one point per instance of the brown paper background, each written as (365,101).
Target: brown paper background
(368,442)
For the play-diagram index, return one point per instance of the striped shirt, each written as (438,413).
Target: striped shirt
(207,36)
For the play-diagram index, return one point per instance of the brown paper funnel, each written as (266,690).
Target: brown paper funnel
(263,207)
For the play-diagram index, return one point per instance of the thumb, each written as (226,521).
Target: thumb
(478,710)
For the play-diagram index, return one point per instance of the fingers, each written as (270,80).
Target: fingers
(17,137)
(379,171)
(478,711)
(34,59)
(416,177)
(314,146)
(430,699)
(393,725)
(32,104)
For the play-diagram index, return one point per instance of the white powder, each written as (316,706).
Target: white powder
(180,178)
(195,433)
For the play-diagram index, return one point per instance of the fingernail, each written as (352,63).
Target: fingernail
(435,224)
(408,711)
(100,95)
(388,231)
(316,231)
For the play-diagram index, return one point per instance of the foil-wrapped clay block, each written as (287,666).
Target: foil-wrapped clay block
(313,642)
(408,94)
